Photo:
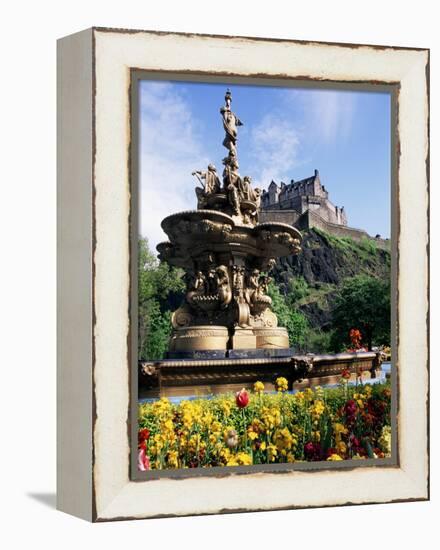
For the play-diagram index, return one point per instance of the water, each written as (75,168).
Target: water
(381,377)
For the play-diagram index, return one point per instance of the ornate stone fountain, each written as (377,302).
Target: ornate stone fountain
(227,256)
(225,334)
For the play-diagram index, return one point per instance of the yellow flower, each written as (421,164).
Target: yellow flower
(158,439)
(168,426)
(195,443)
(216,428)
(239,459)
(258,387)
(226,408)
(244,459)
(272,452)
(162,406)
(225,454)
(172,458)
(308,393)
(281,384)
(341,447)
(339,429)
(316,410)
(207,419)
(251,434)
(254,429)
(334,457)
(284,440)
(385,440)
(358,397)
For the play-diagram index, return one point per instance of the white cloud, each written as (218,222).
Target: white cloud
(300,119)
(328,114)
(169,151)
(276,147)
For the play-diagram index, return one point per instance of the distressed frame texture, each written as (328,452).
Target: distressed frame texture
(95,207)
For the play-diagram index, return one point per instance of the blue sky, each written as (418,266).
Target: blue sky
(287,133)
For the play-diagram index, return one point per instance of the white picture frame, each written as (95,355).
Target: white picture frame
(94,285)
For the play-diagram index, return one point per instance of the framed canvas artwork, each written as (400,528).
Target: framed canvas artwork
(242,274)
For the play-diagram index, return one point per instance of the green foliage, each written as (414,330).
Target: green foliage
(159,288)
(312,283)
(289,317)
(364,303)
(369,245)
(318,341)
(364,249)
(297,289)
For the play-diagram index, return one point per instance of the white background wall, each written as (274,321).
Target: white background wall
(27,301)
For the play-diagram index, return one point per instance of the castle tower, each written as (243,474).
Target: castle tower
(298,197)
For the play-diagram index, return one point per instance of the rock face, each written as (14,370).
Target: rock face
(320,269)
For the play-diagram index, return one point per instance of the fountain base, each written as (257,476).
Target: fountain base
(201,377)
(216,339)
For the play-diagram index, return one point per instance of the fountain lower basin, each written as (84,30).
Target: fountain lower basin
(202,377)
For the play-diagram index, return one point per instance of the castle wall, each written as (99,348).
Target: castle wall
(311,219)
(305,204)
(284,216)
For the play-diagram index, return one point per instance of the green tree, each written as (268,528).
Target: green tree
(160,290)
(318,341)
(363,302)
(289,317)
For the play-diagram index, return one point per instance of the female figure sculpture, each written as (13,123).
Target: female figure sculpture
(230,123)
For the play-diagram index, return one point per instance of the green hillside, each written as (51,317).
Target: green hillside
(312,282)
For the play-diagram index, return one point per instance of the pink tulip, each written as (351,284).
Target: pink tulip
(143,461)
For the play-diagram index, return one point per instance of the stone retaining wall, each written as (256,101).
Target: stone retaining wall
(311,219)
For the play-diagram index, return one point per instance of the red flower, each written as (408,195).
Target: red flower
(355,338)
(242,398)
(346,373)
(143,435)
(313,451)
(355,441)
(309,448)
(350,408)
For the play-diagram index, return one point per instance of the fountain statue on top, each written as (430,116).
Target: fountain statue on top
(235,196)
(227,256)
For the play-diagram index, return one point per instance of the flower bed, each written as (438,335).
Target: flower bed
(264,428)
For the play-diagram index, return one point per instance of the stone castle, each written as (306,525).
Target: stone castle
(305,204)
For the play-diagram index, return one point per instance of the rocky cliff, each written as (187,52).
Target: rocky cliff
(312,278)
